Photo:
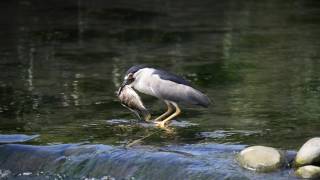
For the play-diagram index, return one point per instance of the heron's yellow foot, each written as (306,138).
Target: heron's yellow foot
(148,118)
(166,121)
(161,124)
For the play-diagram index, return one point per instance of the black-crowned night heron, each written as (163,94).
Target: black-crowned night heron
(170,88)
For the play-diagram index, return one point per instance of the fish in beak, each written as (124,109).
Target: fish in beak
(131,100)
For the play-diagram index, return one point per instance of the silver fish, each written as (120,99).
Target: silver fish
(131,100)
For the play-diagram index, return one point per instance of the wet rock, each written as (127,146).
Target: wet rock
(73,161)
(4,174)
(261,158)
(309,153)
(309,172)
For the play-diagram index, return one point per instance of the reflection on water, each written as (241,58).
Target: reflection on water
(61,64)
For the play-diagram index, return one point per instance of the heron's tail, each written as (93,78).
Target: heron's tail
(198,98)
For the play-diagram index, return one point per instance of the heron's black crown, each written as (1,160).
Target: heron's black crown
(135,68)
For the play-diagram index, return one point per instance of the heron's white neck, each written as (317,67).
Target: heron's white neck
(142,80)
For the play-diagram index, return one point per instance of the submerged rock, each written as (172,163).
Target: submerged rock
(261,158)
(309,172)
(16,138)
(309,153)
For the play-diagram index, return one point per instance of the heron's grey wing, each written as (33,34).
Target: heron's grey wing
(179,93)
(164,75)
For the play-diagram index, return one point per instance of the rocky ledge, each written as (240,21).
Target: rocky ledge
(72,161)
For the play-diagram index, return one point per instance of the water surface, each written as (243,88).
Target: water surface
(61,63)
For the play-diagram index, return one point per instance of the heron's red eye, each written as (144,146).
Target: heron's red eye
(130,76)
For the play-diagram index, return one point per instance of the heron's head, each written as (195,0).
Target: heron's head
(130,74)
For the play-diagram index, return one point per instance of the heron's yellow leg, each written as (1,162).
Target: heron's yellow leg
(164,123)
(169,111)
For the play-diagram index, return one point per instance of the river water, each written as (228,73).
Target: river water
(258,61)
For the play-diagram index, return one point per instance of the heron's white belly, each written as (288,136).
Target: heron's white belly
(146,88)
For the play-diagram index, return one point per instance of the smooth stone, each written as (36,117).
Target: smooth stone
(309,153)
(261,158)
(309,172)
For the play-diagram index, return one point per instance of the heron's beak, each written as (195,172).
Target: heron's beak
(124,83)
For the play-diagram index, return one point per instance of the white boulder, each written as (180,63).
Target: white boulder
(308,172)
(261,158)
(309,153)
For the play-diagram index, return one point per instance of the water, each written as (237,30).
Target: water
(196,161)
(62,61)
